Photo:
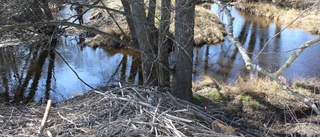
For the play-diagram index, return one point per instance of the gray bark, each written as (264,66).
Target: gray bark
(148,52)
(184,30)
(127,10)
(164,42)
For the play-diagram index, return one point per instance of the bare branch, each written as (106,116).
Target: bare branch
(60,23)
(275,77)
(295,55)
(294,20)
(74,71)
(101,7)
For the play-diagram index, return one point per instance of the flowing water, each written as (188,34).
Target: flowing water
(35,72)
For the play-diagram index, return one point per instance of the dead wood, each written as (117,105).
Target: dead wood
(126,111)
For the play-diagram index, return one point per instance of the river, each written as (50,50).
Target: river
(224,62)
(34,73)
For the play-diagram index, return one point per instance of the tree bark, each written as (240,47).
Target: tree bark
(184,30)
(164,42)
(146,45)
(127,10)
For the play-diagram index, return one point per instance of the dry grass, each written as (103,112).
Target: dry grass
(262,105)
(208,27)
(309,21)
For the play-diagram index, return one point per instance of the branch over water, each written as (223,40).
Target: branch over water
(275,75)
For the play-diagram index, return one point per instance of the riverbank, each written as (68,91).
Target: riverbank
(258,107)
(308,20)
(261,106)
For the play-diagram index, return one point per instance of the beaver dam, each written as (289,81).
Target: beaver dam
(125,111)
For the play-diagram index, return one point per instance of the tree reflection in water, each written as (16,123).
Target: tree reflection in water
(225,64)
(33,73)
(21,70)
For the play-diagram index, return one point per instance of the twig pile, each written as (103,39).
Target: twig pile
(127,111)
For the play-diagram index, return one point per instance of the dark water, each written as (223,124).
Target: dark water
(37,72)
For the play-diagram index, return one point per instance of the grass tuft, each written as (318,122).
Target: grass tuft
(215,95)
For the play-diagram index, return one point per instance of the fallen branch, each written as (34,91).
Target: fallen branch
(274,76)
(295,55)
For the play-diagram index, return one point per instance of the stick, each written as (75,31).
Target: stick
(45,117)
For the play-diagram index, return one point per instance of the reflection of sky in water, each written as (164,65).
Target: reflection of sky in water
(225,63)
(94,66)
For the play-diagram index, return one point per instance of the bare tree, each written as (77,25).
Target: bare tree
(155,42)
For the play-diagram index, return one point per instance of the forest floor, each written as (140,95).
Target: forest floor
(292,14)
(254,107)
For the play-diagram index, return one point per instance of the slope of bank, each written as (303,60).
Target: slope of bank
(308,20)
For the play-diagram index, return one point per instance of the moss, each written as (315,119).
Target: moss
(256,105)
(196,97)
(245,98)
(215,95)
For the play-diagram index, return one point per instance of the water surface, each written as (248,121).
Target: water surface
(38,72)
(224,61)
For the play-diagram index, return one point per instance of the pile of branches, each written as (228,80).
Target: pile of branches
(126,111)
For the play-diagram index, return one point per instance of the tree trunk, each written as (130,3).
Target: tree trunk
(164,42)
(184,30)
(146,44)
(128,14)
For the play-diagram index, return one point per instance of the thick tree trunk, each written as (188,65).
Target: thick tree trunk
(146,45)
(184,30)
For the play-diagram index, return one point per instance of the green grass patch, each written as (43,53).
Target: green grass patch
(196,97)
(245,98)
(256,105)
(215,95)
